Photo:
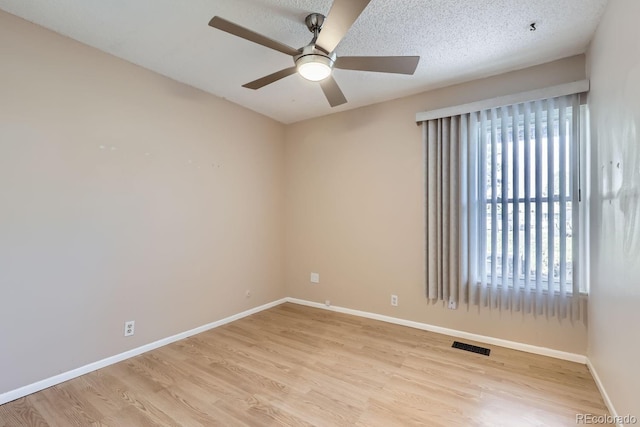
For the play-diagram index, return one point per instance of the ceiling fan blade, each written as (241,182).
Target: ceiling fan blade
(380,64)
(252,36)
(266,80)
(332,92)
(342,15)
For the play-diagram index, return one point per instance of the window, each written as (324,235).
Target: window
(528,193)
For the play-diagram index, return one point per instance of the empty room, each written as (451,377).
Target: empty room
(319,212)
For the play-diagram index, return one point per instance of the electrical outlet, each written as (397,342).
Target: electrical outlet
(129,328)
(327,303)
(394,300)
(248,293)
(315,278)
(452,305)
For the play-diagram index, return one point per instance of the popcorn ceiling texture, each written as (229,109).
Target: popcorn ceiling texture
(458,40)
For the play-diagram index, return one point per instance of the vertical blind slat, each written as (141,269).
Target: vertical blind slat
(431,157)
(538,186)
(550,204)
(515,169)
(477,203)
(452,267)
(494,207)
(527,202)
(440,207)
(504,205)
(464,221)
(562,181)
(482,214)
(578,244)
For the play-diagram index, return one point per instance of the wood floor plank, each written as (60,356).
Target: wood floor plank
(76,409)
(21,412)
(293,365)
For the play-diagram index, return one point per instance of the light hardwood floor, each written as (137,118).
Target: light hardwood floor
(295,365)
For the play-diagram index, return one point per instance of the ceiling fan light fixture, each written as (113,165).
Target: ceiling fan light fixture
(314,71)
(313,64)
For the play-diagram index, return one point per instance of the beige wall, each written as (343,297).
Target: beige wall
(169,228)
(355,211)
(613,64)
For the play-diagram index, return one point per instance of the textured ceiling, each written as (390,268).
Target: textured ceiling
(458,40)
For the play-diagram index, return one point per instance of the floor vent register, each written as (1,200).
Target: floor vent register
(471,348)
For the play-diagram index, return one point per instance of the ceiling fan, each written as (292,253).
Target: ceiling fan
(316,60)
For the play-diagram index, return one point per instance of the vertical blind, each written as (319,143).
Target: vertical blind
(442,156)
(504,184)
(526,206)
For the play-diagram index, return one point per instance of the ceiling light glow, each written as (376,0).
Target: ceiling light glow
(314,71)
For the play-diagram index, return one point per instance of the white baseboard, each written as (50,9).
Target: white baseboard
(74,373)
(603,391)
(544,351)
